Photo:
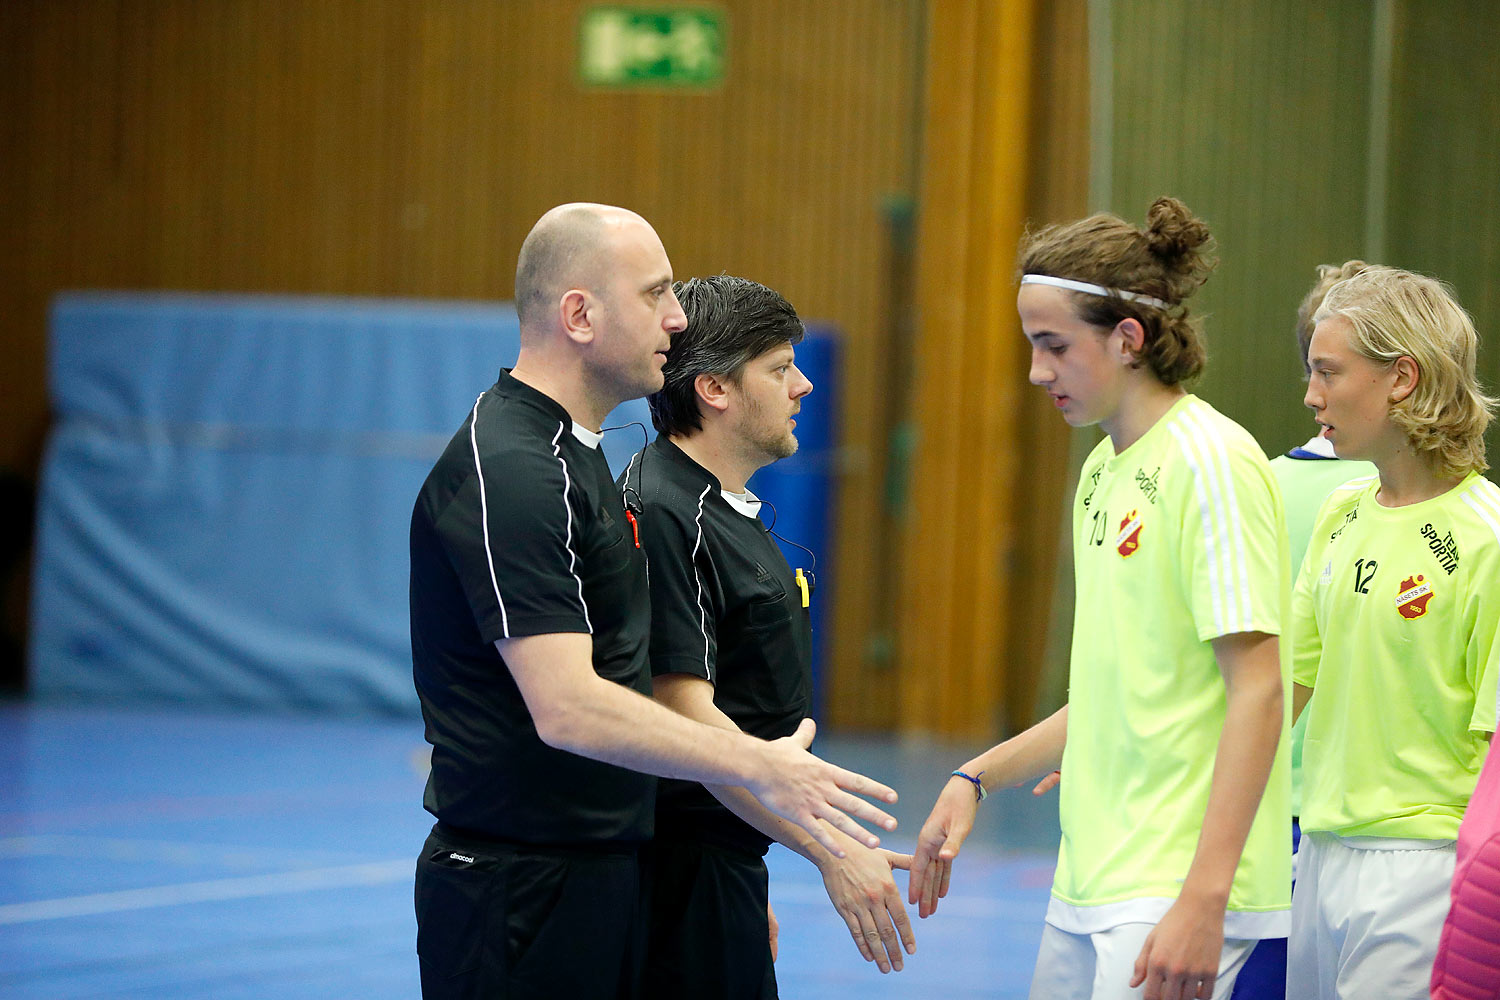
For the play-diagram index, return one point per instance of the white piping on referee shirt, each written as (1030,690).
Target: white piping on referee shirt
(484,516)
(697,576)
(582,434)
(745,503)
(568,485)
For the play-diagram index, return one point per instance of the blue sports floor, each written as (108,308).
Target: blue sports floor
(173,854)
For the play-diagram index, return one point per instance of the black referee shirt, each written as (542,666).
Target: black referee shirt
(725,606)
(519,531)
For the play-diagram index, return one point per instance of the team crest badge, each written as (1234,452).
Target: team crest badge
(1415,593)
(1129,538)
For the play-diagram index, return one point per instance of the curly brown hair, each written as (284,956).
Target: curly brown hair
(1167,260)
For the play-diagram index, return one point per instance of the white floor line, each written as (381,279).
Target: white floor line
(177,852)
(311,880)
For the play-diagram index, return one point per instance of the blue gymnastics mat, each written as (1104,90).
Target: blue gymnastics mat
(227,489)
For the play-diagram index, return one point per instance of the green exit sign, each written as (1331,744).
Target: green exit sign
(678,47)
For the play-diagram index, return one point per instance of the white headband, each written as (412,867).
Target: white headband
(1084,286)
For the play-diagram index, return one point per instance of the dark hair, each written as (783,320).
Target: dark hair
(730,322)
(1166,260)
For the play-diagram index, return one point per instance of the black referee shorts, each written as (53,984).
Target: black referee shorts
(709,933)
(516,922)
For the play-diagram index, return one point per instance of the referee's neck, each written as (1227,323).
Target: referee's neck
(726,463)
(566,389)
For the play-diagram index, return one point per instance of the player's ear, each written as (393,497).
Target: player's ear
(1132,337)
(712,391)
(1405,375)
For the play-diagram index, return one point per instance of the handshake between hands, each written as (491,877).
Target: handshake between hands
(862,887)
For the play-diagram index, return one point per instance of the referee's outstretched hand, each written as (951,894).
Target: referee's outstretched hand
(950,821)
(802,788)
(865,894)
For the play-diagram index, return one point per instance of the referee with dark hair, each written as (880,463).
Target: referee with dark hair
(731,646)
(529,628)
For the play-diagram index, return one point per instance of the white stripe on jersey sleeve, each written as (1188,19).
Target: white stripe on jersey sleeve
(1484,498)
(484,518)
(1219,507)
(702,608)
(1238,554)
(1206,517)
(1355,485)
(572,556)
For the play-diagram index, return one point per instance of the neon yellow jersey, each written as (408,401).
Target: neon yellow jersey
(1177,540)
(1306,476)
(1394,627)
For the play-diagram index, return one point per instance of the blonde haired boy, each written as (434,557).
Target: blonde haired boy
(1394,624)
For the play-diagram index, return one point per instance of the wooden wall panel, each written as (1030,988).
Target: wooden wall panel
(957,619)
(957,616)
(1058,187)
(1444,207)
(404,148)
(1256,114)
(1035,660)
(1275,121)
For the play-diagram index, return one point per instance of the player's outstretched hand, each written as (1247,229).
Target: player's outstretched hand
(864,893)
(1050,781)
(800,787)
(1180,959)
(950,821)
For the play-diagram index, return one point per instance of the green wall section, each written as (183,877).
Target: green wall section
(1444,207)
(1275,122)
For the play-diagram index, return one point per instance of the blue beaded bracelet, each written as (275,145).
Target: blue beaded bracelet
(979,792)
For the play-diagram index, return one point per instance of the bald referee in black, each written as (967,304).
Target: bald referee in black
(530,623)
(731,646)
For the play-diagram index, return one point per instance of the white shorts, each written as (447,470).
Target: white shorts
(1367,913)
(1100,966)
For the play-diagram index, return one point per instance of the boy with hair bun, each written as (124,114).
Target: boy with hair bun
(1174,811)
